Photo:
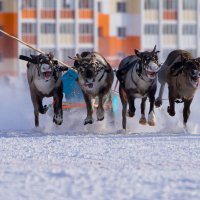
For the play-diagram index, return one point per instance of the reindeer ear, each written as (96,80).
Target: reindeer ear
(138,53)
(157,52)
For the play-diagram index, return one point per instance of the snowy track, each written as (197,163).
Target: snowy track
(98,161)
(35,166)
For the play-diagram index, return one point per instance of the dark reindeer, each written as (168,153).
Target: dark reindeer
(95,77)
(181,72)
(44,81)
(137,75)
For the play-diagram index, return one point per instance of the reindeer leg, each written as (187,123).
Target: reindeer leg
(158,101)
(151,116)
(143,120)
(131,103)
(123,98)
(58,112)
(42,109)
(100,109)
(171,107)
(35,106)
(88,101)
(186,110)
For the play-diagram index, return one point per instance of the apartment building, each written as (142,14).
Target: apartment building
(112,27)
(8,47)
(171,24)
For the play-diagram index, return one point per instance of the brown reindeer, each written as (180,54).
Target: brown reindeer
(95,77)
(137,75)
(44,81)
(181,72)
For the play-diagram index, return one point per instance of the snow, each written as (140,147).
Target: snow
(98,161)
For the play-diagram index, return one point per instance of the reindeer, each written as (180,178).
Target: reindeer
(137,75)
(181,72)
(95,77)
(44,81)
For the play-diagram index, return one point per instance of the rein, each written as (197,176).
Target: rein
(105,71)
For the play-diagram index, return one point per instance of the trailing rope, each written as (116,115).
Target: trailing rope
(38,50)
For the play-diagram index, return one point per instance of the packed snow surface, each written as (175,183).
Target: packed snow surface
(98,161)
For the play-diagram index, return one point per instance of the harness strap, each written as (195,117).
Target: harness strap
(124,70)
(105,71)
(176,69)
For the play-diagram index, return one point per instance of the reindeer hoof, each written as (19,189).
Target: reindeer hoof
(57,121)
(100,119)
(43,109)
(130,113)
(100,114)
(151,123)
(143,121)
(171,112)
(158,102)
(88,121)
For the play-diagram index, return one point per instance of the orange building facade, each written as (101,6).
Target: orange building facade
(112,27)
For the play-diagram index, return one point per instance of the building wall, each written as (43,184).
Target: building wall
(112,27)
(8,47)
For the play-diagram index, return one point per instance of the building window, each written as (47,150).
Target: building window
(48,28)
(67,28)
(170,29)
(151,29)
(28,28)
(67,3)
(27,4)
(121,7)
(99,7)
(189,5)
(121,32)
(85,3)
(86,29)
(1,6)
(151,4)
(49,4)
(189,29)
(170,4)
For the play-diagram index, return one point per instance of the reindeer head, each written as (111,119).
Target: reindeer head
(149,61)
(88,68)
(191,69)
(45,64)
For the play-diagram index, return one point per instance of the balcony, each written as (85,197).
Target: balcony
(47,39)
(29,38)
(67,13)
(151,15)
(48,14)
(84,38)
(170,40)
(170,15)
(86,14)
(66,39)
(29,13)
(189,15)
